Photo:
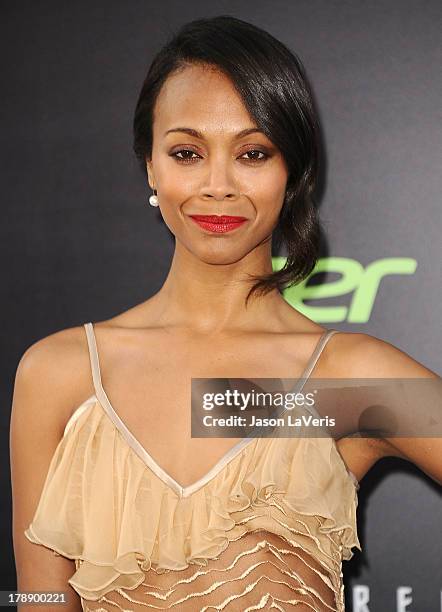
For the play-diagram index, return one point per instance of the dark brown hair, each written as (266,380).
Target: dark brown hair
(273,85)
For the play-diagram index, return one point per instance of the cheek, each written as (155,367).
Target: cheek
(269,198)
(270,183)
(173,196)
(178,184)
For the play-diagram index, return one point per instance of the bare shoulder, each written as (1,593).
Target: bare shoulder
(57,366)
(361,355)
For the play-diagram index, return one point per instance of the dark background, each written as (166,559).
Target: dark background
(80,243)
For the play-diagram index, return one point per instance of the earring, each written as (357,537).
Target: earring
(153,200)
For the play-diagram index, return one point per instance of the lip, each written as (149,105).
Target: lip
(218,223)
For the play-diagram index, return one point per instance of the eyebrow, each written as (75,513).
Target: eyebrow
(197,134)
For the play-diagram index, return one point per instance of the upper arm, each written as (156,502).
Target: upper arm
(370,357)
(45,391)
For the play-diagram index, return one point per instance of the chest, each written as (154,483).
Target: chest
(150,390)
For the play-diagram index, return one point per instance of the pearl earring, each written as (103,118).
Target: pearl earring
(153,200)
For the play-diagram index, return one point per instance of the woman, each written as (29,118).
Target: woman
(139,514)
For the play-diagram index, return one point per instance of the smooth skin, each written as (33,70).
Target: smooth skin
(196,325)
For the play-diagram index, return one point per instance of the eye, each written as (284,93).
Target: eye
(256,159)
(184,160)
(184,156)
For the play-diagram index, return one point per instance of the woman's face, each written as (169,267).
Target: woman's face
(213,170)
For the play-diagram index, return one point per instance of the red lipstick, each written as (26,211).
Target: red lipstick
(218,223)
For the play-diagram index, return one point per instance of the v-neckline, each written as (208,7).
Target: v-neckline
(145,456)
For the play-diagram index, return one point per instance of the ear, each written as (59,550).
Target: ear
(150,176)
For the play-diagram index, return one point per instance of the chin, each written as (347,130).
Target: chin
(225,257)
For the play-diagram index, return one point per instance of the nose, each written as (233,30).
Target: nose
(219,182)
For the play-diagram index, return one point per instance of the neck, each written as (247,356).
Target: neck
(211,298)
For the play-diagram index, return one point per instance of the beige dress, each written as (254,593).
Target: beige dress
(266,528)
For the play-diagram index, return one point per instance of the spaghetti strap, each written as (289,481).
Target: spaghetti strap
(95,362)
(93,356)
(318,350)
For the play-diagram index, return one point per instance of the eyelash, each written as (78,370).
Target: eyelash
(182,160)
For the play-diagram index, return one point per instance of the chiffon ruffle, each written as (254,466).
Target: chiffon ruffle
(103,505)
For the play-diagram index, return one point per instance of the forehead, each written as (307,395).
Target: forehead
(203,98)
